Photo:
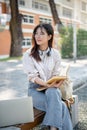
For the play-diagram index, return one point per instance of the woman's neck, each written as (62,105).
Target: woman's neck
(43,48)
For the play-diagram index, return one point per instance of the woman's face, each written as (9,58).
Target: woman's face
(42,37)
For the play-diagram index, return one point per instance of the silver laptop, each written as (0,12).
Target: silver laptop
(16,111)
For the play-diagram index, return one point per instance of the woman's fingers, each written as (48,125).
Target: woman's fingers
(59,84)
(55,84)
(52,84)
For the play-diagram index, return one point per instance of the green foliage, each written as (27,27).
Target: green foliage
(81,43)
(67,42)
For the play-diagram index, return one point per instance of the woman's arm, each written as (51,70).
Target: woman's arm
(40,82)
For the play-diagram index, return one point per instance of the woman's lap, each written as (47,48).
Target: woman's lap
(39,98)
(50,102)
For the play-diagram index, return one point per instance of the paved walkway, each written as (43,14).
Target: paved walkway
(82,108)
(13,83)
(77,72)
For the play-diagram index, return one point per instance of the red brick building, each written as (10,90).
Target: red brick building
(38,11)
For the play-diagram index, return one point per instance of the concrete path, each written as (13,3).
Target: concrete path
(82,108)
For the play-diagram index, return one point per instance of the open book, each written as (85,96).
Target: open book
(50,81)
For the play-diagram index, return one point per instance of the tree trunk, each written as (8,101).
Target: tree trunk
(15,30)
(55,15)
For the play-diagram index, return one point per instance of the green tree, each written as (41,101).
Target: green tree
(67,42)
(81,42)
(15,29)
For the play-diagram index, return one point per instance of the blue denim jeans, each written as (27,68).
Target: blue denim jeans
(57,113)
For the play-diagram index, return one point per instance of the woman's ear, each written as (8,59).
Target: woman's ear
(49,37)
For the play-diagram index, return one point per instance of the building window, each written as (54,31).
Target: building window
(45,20)
(84,6)
(39,6)
(28,19)
(26,42)
(84,18)
(21,3)
(67,13)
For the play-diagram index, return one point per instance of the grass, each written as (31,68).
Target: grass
(11,58)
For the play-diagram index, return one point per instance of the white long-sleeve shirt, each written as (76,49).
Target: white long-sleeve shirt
(48,67)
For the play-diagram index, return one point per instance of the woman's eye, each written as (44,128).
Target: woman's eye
(36,33)
(39,34)
(42,33)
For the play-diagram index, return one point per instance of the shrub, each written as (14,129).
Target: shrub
(67,42)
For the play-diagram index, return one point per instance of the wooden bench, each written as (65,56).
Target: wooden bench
(39,115)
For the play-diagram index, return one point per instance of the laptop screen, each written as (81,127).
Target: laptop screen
(16,111)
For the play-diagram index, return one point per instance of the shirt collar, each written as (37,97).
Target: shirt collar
(44,52)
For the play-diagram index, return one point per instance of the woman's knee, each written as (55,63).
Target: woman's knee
(53,92)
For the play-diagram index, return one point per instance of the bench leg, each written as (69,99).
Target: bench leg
(74,109)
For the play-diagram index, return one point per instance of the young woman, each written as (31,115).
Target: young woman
(42,62)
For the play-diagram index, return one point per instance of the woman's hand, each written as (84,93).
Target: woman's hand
(55,84)
(50,85)
(58,85)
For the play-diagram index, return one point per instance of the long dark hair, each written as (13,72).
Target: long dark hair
(34,50)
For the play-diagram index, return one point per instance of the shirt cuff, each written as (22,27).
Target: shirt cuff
(32,79)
